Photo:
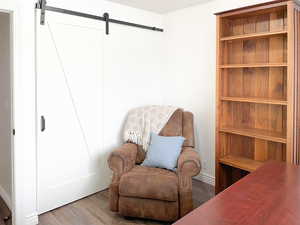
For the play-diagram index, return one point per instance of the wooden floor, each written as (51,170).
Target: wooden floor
(5,214)
(94,210)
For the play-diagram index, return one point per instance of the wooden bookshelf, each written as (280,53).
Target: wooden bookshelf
(258,96)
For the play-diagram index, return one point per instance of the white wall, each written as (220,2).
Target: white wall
(191,52)
(5,110)
(132,70)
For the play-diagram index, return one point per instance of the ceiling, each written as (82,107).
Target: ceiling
(160,6)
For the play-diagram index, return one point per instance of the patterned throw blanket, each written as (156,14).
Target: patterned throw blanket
(144,120)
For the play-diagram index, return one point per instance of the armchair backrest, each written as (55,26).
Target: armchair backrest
(180,124)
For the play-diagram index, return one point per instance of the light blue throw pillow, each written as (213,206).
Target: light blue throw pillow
(163,152)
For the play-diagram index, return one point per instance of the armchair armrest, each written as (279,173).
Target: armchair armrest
(120,161)
(123,159)
(189,162)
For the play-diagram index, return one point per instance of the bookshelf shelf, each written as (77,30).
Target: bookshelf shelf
(242,163)
(256,100)
(254,35)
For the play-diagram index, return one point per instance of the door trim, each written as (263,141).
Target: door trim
(10,200)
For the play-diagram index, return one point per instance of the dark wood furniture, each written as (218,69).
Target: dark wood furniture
(258,109)
(268,196)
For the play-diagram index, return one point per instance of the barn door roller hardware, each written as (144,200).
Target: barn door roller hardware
(42,5)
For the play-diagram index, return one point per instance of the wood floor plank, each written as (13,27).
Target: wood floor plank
(5,213)
(4,210)
(48,219)
(202,192)
(66,216)
(84,216)
(94,210)
(8,222)
(102,201)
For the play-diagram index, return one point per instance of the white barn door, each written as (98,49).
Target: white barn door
(71,160)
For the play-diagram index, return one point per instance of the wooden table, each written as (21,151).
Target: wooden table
(268,196)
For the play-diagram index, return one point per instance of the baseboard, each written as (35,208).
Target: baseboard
(32,219)
(5,197)
(206,178)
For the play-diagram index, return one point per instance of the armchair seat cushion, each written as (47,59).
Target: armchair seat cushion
(149,183)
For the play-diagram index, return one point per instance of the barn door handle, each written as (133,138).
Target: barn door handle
(43,124)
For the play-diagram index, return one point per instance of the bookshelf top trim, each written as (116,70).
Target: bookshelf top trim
(251,8)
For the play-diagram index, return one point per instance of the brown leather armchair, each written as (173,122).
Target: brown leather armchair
(154,193)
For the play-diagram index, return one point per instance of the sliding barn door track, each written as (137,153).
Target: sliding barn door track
(42,5)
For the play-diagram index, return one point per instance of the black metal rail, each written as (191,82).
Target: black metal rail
(42,5)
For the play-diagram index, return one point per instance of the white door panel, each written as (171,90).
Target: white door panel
(71,158)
